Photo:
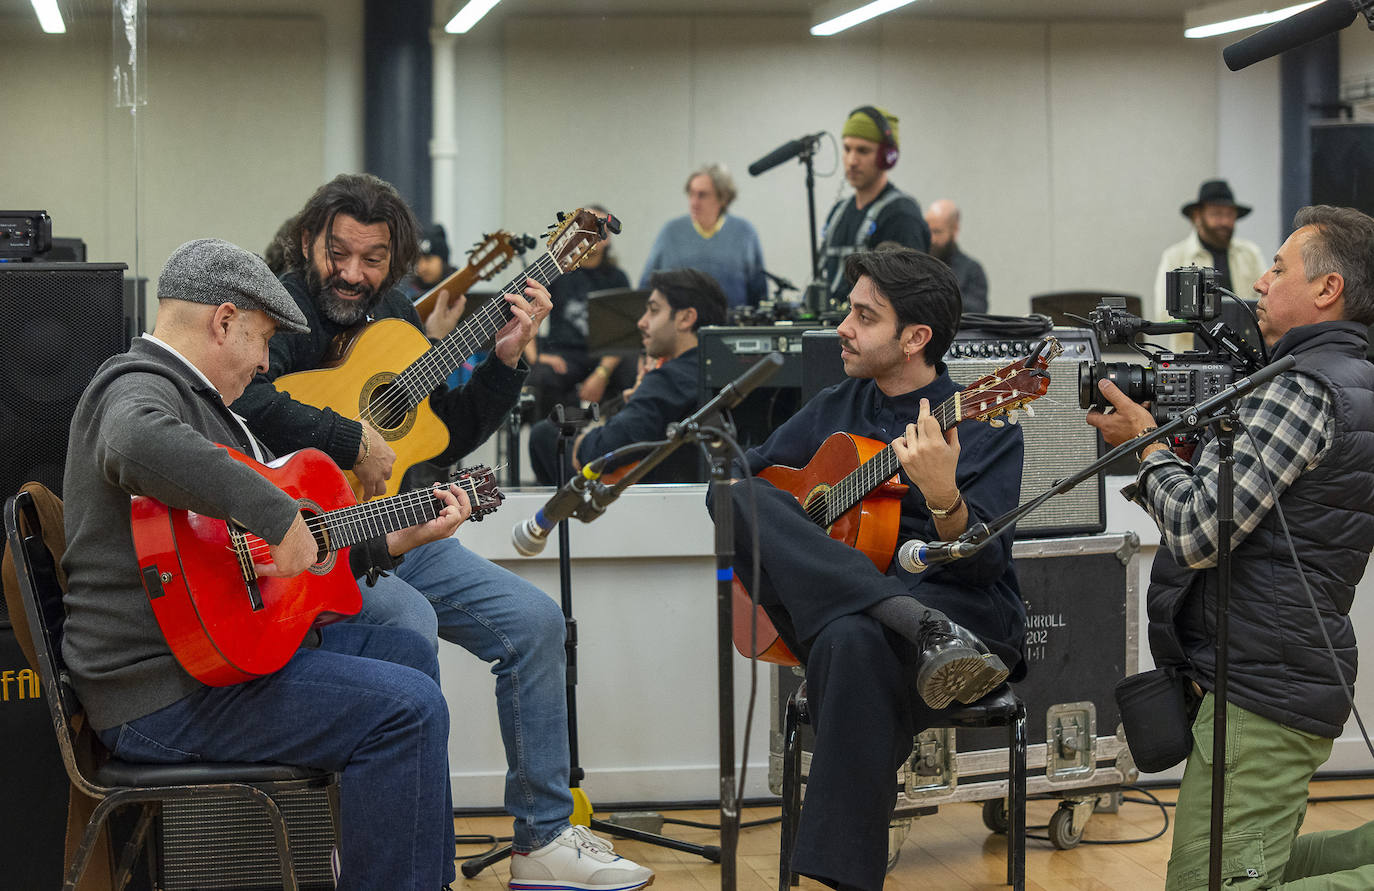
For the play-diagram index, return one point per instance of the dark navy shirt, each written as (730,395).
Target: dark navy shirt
(665,396)
(989,477)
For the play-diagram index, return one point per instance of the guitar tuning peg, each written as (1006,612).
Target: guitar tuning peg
(1013,416)
(996,422)
(1030,411)
(561,216)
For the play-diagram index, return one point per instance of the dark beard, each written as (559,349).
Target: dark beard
(944,252)
(336,309)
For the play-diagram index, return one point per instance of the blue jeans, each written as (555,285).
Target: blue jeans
(504,620)
(367,704)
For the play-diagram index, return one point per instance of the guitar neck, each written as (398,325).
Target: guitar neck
(457,282)
(874,472)
(440,360)
(352,525)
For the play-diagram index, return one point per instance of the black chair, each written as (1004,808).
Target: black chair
(1000,708)
(116,783)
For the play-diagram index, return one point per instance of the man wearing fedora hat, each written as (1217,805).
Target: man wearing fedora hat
(1212,243)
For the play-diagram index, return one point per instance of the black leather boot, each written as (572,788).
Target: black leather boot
(954,664)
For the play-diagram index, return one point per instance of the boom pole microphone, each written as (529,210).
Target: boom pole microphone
(528,537)
(785,152)
(1318,21)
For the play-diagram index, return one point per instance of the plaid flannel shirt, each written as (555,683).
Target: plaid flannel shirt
(1287,425)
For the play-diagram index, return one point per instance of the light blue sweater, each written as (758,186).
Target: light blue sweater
(733,257)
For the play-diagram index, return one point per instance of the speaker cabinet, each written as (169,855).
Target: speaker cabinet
(58,323)
(1058,439)
(33,808)
(220,842)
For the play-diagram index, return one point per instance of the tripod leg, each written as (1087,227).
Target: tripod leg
(710,852)
(473,865)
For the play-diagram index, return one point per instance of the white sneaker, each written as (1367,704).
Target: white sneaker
(576,860)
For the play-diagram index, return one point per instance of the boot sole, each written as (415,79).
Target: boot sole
(961,674)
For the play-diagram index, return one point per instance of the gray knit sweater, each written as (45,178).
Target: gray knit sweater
(146,425)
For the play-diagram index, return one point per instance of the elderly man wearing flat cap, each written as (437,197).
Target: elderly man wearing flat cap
(1212,243)
(877,211)
(357,699)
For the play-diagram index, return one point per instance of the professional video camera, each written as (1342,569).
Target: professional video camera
(1171,382)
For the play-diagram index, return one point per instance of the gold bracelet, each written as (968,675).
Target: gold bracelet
(367,448)
(941,514)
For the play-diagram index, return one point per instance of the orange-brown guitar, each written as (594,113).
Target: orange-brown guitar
(388,371)
(850,486)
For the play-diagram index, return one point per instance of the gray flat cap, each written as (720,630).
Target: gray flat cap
(209,270)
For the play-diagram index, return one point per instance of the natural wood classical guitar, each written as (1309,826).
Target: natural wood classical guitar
(223,623)
(488,257)
(850,485)
(385,375)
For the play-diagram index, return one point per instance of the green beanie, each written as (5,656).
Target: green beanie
(862,126)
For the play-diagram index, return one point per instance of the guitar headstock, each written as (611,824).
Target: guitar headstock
(1010,387)
(576,234)
(495,251)
(479,481)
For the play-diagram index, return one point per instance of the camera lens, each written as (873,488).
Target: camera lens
(1136,381)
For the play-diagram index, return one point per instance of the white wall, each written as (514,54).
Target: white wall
(250,107)
(1070,147)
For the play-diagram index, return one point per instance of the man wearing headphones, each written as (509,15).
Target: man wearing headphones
(878,210)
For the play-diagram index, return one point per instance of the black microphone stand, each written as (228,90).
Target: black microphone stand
(569,423)
(1223,424)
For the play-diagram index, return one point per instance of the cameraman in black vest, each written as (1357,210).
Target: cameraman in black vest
(1313,430)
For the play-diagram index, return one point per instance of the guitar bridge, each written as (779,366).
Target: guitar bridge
(238,541)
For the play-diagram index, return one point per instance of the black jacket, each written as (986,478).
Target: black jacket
(1278,664)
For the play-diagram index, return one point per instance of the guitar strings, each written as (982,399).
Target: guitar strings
(363,521)
(843,495)
(434,365)
(427,371)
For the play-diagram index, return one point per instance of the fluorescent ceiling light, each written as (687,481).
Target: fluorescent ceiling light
(856,17)
(469,15)
(1234,22)
(48,17)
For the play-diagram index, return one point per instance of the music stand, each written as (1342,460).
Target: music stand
(613,321)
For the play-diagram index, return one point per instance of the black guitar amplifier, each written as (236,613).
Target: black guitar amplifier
(1058,439)
(728,351)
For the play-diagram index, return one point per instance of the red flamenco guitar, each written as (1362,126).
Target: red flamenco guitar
(223,623)
(850,485)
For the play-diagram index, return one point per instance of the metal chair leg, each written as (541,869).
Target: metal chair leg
(791,790)
(1016,801)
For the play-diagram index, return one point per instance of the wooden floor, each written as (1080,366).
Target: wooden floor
(951,850)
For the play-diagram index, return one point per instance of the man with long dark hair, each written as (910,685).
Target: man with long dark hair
(351,243)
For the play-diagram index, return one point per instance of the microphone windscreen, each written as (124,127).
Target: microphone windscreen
(1306,26)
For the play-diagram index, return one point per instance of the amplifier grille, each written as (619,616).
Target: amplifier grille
(1058,443)
(221,842)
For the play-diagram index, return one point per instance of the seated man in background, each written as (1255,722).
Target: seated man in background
(682,301)
(562,371)
(363,700)
(880,645)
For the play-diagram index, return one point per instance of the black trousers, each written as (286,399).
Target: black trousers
(860,678)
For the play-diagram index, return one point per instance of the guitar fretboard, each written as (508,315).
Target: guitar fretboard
(872,473)
(438,362)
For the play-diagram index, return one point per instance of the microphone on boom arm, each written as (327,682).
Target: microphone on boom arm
(785,152)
